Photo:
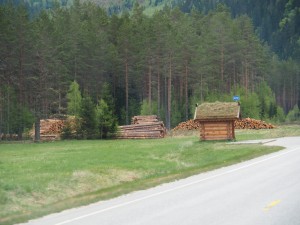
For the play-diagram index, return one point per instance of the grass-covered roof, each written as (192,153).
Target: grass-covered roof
(218,111)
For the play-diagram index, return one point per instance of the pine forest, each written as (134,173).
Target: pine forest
(112,63)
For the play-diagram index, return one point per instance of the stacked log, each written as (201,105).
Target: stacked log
(188,125)
(51,126)
(50,129)
(246,123)
(249,123)
(142,127)
(144,119)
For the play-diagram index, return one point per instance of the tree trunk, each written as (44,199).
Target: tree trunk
(292,94)
(222,64)
(246,78)
(20,134)
(234,79)
(21,81)
(150,88)
(169,94)
(165,99)
(284,98)
(181,97)
(1,114)
(158,92)
(186,93)
(8,113)
(37,129)
(59,101)
(297,90)
(201,86)
(21,65)
(252,81)
(75,68)
(126,91)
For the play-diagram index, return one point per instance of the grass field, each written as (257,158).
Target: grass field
(37,179)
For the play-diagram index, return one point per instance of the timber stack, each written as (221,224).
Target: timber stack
(51,126)
(246,123)
(249,123)
(144,119)
(188,125)
(143,127)
(50,129)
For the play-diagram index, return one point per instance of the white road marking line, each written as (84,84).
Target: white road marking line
(177,188)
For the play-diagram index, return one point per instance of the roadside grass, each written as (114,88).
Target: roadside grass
(38,179)
(279,131)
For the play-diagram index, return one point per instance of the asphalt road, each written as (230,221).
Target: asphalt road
(263,191)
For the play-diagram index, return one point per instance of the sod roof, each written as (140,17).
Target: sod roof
(218,111)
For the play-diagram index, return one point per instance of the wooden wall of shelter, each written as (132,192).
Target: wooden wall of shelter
(217,120)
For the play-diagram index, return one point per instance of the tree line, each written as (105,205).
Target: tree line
(161,64)
(275,21)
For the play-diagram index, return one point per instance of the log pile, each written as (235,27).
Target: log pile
(246,123)
(50,129)
(249,123)
(188,125)
(51,126)
(144,119)
(142,127)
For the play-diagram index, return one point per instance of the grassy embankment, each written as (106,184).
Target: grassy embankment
(37,179)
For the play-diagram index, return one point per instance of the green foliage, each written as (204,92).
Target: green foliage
(285,82)
(260,104)
(170,58)
(134,107)
(106,95)
(14,118)
(74,99)
(88,119)
(280,116)
(107,123)
(147,109)
(250,106)
(72,128)
(66,132)
(294,114)
(24,119)
(268,106)
(177,115)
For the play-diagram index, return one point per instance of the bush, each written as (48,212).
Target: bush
(293,115)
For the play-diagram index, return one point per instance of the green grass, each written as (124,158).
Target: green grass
(38,179)
(280,131)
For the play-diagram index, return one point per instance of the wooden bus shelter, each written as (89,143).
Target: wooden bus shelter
(217,120)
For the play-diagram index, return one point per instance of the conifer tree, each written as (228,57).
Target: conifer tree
(88,120)
(107,123)
(74,99)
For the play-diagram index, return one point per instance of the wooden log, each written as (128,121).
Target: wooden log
(249,123)
(145,125)
(145,134)
(144,119)
(142,127)
(187,125)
